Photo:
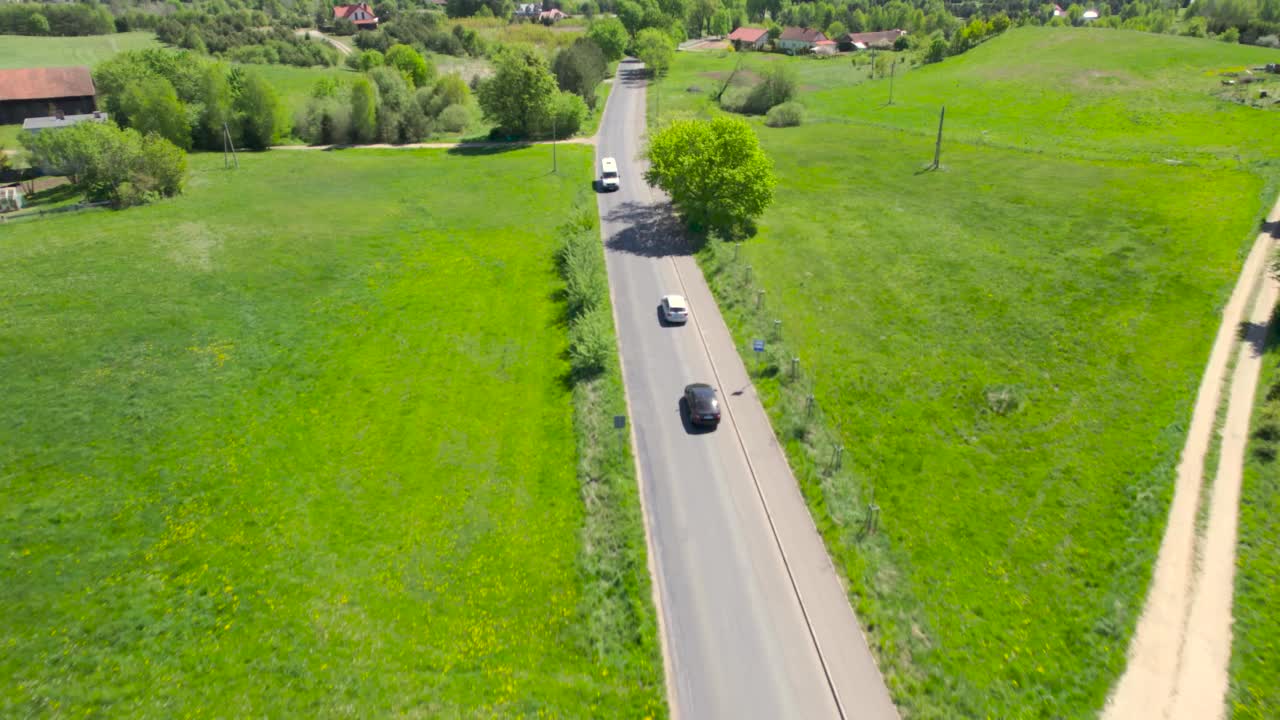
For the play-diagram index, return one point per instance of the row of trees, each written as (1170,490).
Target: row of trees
(425,31)
(55,19)
(238,37)
(398,100)
(190,100)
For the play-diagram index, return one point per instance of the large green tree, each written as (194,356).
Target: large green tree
(151,105)
(256,107)
(612,37)
(411,63)
(518,95)
(655,49)
(579,68)
(364,109)
(714,171)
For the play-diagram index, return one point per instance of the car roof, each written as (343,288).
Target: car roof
(608,163)
(675,301)
(700,389)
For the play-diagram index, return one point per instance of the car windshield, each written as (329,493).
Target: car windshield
(610,174)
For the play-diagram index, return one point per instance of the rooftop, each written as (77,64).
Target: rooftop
(47,82)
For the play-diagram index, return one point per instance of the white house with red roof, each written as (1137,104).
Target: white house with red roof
(360,14)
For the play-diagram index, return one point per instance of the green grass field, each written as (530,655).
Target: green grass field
(20,51)
(1008,350)
(1255,651)
(280,451)
(1082,92)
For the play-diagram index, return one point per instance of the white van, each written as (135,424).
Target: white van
(608,174)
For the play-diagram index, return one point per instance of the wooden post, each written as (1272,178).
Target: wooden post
(937,149)
(892,68)
(226,134)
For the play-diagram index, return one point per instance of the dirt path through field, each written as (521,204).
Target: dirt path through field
(1179,653)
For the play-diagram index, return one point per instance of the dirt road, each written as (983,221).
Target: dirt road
(1181,648)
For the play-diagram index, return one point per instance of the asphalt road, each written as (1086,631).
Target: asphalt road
(737,639)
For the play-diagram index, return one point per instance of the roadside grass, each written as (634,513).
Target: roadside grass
(1255,647)
(21,51)
(1017,537)
(1007,349)
(267,452)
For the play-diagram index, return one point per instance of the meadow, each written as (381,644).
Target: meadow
(1082,92)
(269,451)
(1006,348)
(20,51)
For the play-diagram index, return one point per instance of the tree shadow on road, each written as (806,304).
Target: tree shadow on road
(634,76)
(651,231)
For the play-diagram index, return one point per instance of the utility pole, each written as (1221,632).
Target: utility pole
(937,149)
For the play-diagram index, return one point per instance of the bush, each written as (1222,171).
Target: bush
(591,342)
(586,282)
(454,118)
(568,112)
(106,162)
(326,121)
(787,114)
(777,87)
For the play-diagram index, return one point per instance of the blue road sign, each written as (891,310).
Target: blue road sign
(619,421)
(757,345)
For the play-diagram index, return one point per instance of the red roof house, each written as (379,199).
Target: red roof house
(748,38)
(552,15)
(360,14)
(40,92)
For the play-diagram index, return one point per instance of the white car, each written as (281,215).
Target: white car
(608,174)
(674,309)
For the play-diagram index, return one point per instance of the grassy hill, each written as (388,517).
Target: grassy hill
(1007,348)
(302,450)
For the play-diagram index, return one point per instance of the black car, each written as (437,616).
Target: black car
(704,409)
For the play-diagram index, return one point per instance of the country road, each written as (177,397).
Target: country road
(341,46)
(754,621)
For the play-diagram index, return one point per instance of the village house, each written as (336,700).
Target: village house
(747,38)
(528,10)
(797,41)
(360,14)
(551,16)
(40,92)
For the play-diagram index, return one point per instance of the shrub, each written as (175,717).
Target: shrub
(787,114)
(777,87)
(582,266)
(568,112)
(591,342)
(454,118)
